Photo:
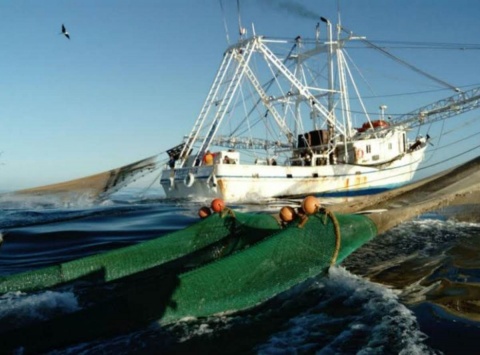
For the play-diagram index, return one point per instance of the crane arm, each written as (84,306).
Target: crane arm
(437,111)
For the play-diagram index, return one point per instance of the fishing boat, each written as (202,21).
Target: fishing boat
(277,123)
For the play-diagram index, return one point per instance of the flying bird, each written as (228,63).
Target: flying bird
(64,32)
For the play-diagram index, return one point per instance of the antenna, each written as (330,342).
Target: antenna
(382,108)
(339,20)
(241,30)
(224,22)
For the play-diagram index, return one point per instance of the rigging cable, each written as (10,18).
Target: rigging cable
(461,140)
(157,177)
(266,87)
(408,65)
(428,45)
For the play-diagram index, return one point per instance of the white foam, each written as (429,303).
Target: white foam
(370,317)
(41,202)
(19,309)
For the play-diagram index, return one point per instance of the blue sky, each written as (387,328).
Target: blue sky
(133,77)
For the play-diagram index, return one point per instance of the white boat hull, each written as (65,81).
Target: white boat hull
(255,183)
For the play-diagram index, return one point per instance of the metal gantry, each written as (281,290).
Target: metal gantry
(236,66)
(442,109)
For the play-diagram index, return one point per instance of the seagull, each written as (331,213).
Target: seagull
(64,32)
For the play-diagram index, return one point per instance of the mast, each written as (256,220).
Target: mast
(331,89)
(298,97)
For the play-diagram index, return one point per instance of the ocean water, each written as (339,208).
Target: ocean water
(412,290)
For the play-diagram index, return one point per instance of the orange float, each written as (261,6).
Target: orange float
(204,212)
(310,204)
(218,205)
(287,214)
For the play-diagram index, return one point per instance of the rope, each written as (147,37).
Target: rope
(227,211)
(232,226)
(336,226)
(338,237)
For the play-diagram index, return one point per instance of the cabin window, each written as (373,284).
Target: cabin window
(368,148)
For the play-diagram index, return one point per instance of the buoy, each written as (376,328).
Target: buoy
(218,205)
(310,204)
(287,214)
(204,212)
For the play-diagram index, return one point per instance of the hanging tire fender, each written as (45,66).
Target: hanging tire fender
(212,181)
(189,180)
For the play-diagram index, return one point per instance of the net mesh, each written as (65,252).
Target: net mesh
(218,278)
(98,185)
(211,238)
(273,266)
